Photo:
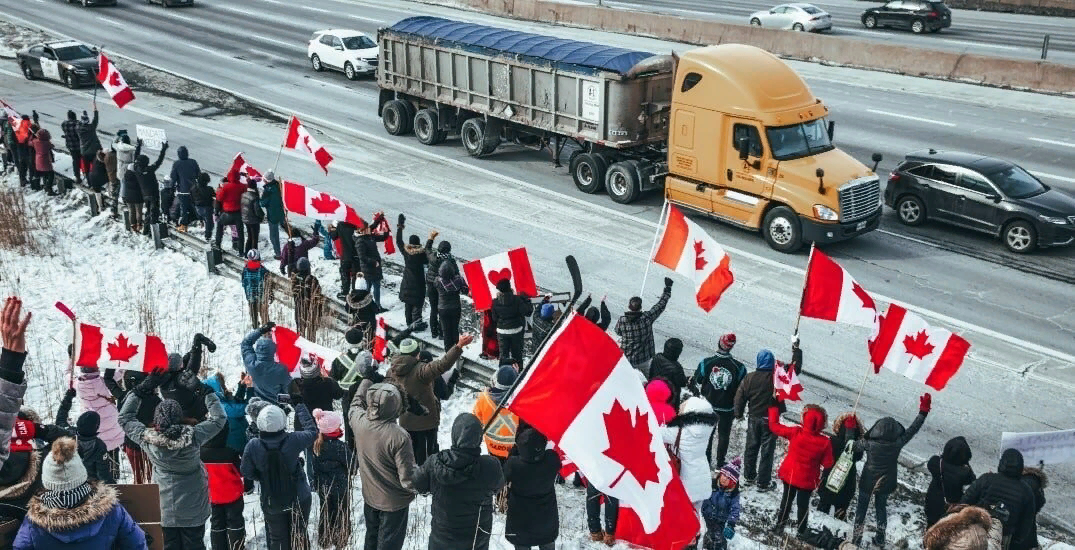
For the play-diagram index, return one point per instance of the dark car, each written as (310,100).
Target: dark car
(170,3)
(917,15)
(73,63)
(93,2)
(984,194)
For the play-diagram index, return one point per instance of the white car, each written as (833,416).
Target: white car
(796,17)
(352,52)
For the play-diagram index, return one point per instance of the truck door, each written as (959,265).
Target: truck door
(745,184)
(683,161)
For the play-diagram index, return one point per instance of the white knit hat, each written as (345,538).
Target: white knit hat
(272,419)
(62,469)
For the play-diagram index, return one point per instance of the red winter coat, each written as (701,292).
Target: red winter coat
(809,450)
(225,482)
(42,145)
(230,196)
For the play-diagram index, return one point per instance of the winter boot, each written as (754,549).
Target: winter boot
(856,534)
(610,539)
(598,536)
(767,487)
(879,538)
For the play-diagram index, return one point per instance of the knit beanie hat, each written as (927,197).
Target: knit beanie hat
(62,469)
(88,424)
(308,369)
(254,407)
(731,469)
(168,414)
(175,361)
(272,419)
(270,176)
(253,255)
(361,284)
(328,422)
(414,240)
(444,247)
(354,336)
(22,437)
(504,378)
(408,346)
(727,342)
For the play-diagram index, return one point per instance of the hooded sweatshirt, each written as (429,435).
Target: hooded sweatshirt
(1003,494)
(533,518)
(882,445)
(809,450)
(42,144)
(756,390)
(184,171)
(951,473)
(384,452)
(271,378)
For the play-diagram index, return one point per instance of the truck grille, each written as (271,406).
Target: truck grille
(860,198)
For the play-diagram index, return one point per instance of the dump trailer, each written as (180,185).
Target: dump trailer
(745,147)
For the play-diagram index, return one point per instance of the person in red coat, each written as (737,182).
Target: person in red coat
(809,451)
(229,198)
(227,529)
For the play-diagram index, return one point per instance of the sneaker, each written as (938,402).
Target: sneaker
(767,487)
(598,536)
(610,539)
(748,480)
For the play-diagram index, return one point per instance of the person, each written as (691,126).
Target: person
(412,289)
(722,509)
(272,459)
(41,143)
(328,243)
(184,176)
(204,197)
(950,473)
(92,451)
(229,201)
(1036,479)
(9,159)
(234,405)
(272,200)
(353,366)
(141,468)
(23,151)
(168,204)
(150,187)
(500,437)
(533,518)
(253,279)
(542,320)
(94,395)
(313,388)
(74,512)
(97,178)
(510,311)
(270,378)
(437,257)
(363,309)
(227,528)
(594,499)
(966,528)
(417,380)
(88,142)
(809,451)
(756,390)
(69,128)
(173,447)
(12,358)
(846,429)
(462,482)
(181,383)
(601,317)
(1004,495)
(369,256)
(882,445)
(686,437)
(635,329)
(450,285)
(659,395)
(251,214)
(297,248)
(665,366)
(117,167)
(717,378)
(308,301)
(331,468)
(385,464)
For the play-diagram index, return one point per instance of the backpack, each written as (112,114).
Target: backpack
(278,487)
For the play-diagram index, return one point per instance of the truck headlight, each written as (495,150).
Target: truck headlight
(823,212)
(1053,219)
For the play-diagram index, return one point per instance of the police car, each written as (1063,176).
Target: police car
(72,63)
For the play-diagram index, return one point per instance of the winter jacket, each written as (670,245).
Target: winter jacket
(971,528)
(184,171)
(510,311)
(98,523)
(412,289)
(717,378)
(436,259)
(271,378)
(177,463)
(130,191)
(203,195)
(42,145)
(809,450)
(254,276)
(756,391)
(463,482)
(294,249)
(533,518)
(7,134)
(882,445)
(273,202)
(93,452)
(671,372)
(147,177)
(841,437)
(500,438)
(1036,479)
(98,177)
(369,257)
(1004,493)
(721,509)
(331,469)
(125,153)
(94,395)
(417,380)
(385,455)
(950,474)
(69,129)
(12,389)
(250,208)
(255,463)
(87,137)
(635,329)
(450,285)
(315,393)
(344,235)
(19,482)
(226,483)
(235,408)
(604,316)
(693,427)
(230,196)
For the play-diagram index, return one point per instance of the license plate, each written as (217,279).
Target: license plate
(860,226)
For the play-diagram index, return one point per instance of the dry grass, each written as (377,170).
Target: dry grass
(22,223)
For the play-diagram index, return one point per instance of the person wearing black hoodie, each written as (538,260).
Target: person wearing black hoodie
(510,311)
(846,429)
(369,257)
(147,181)
(665,365)
(450,285)
(88,142)
(436,258)
(252,215)
(600,317)
(412,289)
(533,519)
(463,482)
(1004,495)
(203,196)
(717,378)
(185,172)
(950,474)
(345,233)
(1036,479)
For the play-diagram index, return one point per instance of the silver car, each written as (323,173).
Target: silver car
(796,17)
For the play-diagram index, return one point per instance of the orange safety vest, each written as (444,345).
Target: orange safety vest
(500,437)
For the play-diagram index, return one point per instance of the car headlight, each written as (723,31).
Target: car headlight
(823,212)
(1053,219)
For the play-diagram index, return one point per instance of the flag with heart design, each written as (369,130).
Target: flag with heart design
(484,274)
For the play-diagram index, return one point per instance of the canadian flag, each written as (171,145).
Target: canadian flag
(109,77)
(106,348)
(907,345)
(832,294)
(10,112)
(483,275)
(786,382)
(290,348)
(301,140)
(584,396)
(688,250)
(305,201)
(380,340)
(240,167)
(380,226)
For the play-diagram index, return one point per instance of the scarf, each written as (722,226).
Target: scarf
(66,499)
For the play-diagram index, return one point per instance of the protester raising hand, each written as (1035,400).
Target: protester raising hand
(13,325)
(465,340)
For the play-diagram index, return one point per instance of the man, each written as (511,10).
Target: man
(500,438)
(635,329)
(510,311)
(271,378)
(369,257)
(70,139)
(229,197)
(665,365)
(436,257)
(756,390)
(717,379)
(88,142)
(184,176)
(272,201)
(345,234)
(24,156)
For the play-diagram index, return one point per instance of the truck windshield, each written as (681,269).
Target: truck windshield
(799,140)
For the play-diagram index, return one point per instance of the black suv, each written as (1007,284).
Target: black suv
(918,15)
(984,194)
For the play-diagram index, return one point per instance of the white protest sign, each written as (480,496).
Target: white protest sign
(1049,447)
(152,138)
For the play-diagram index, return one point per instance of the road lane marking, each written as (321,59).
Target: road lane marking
(109,21)
(284,43)
(216,53)
(183,17)
(1053,176)
(1054,142)
(909,117)
(311,8)
(240,10)
(370,19)
(981,44)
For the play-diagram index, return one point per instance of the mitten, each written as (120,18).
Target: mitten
(205,341)
(925,403)
(667,282)
(71,393)
(729,532)
(401,220)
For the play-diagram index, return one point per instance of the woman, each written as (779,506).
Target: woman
(809,451)
(847,428)
(660,396)
(43,157)
(687,436)
(412,289)
(950,473)
(450,285)
(252,214)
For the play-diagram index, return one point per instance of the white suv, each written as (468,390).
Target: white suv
(352,52)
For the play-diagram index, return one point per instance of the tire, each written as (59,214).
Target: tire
(427,129)
(755,22)
(349,71)
(911,211)
(472,133)
(396,117)
(588,170)
(870,22)
(27,72)
(315,62)
(1020,237)
(798,27)
(918,26)
(623,181)
(782,230)
(85,3)
(68,81)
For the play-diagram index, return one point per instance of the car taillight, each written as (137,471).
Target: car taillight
(893,177)
(934,14)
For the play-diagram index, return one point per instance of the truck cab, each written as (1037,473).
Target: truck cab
(750,144)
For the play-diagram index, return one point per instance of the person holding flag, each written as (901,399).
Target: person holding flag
(369,256)
(635,329)
(809,451)
(271,378)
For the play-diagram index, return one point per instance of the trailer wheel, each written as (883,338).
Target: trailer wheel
(479,137)
(427,128)
(588,170)
(396,117)
(623,181)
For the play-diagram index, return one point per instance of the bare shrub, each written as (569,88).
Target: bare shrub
(21,222)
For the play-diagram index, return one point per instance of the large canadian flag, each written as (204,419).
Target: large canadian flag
(584,396)
(10,112)
(106,348)
(832,294)
(907,345)
(239,166)
(305,201)
(688,250)
(483,275)
(109,77)
(300,140)
(290,348)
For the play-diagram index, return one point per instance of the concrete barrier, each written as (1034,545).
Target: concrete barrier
(1060,8)
(1038,76)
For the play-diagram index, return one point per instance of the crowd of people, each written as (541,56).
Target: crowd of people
(206,445)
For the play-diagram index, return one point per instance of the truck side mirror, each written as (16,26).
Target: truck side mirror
(744,148)
(820,173)
(876,160)
(832,129)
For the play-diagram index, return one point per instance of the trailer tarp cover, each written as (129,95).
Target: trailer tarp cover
(548,49)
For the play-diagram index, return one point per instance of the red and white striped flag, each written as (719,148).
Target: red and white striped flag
(380,226)
(688,250)
(106,348)
(300,140)
(380,340)
(907,345)
(483,275)
(305,201)
(239,166)
(291,348)
(109,77)
(832,294)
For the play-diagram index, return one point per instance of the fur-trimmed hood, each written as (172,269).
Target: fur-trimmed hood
(153,437)
(1038,474)
(694,411)
(57,521)
(967,529)
(838,422)
(27,413)
(414,249)
(25,482)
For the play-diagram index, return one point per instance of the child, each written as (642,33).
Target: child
(721,510)
(91,449)
(331,477)
(227,530)
(235,407)
(254,275)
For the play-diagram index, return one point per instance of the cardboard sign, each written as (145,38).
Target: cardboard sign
(1049,447)
(143,502)
(152,138)
(50,68)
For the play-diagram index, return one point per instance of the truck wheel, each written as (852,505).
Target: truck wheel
(426,128)
(623,181)
(396,117)
(781,229)
(588,170)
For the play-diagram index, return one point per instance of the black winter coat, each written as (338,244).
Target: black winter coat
(203,196)
(882,445)
(412,289)
(147,178)
(533,518)
(184,171)
(1037,481)
(87,137)
(842,435)
(669,370)
(950,472)
(450,288)
(97,179)
(717,379)
(510,311)
(316,393)
(132,191)
(92,451)
(250,208)
(345,232)
(1005,490)
(369,257)
(331,469)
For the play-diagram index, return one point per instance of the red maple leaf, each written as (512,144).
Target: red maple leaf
(113,80)
(325,204)
(699,258)
(306,144)
(918,346)
(629,444)
(867,300)
(121,349)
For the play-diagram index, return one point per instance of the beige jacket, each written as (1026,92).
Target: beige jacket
(417,380)
(385,457)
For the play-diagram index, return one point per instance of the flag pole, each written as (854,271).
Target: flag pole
(280,151)
(802,293)
(862,387)
(653,248)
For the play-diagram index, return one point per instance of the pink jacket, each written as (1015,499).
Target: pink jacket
(94,396)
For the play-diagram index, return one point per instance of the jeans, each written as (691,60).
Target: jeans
(184,538)
(375,289)
(187,212)
(76,166)
(206,214)
(511,345)
(723,434)
(274,237)
(153,213)
(432,296)
(226,219)
(593,511)
(227,530)
(255,313)
(284,529)
(449,326)
(385,530)
(116,199)
(801,497)
(880,508)
(252,230)
(424,444)
(758,455)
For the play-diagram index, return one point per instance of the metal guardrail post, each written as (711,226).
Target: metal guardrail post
(1045,47)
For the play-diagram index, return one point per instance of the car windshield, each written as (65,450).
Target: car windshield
(811,10)
(358,43)
(68,53)
(800,140)
(1017,183)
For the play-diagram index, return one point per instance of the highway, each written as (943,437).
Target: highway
(1018,312)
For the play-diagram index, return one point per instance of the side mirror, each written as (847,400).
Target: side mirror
(820,173)
(744,148)
(338,48)
(993,197)
(772,10)
(876,158)
(832,129)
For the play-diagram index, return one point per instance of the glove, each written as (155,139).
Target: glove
(924,403)
(202,340)
(71,393)
(729,532)
(146,387)
(267,327)
(400,221)
(667,282)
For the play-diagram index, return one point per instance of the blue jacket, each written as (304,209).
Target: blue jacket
(720,509)
(254,282)
(99,523)
(235,409)
(255,460)
(271,377)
